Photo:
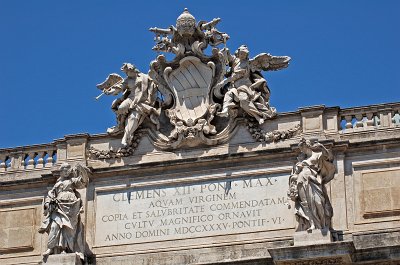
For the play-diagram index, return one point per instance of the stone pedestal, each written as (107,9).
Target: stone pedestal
(313,237)
(63,259)
(332,253)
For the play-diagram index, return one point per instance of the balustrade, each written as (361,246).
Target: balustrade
(27,158)
(369,117)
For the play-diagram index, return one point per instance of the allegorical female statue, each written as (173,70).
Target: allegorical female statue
(62,209)
(307,189)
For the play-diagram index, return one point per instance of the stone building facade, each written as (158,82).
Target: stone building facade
(364,194)
(180,181)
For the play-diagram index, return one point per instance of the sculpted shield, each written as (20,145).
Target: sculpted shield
(191,85)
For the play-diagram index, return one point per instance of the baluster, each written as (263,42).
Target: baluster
(348,119)
(359,122)
(49,161)
(31,160)
(40,160)
(396,119)
(3,159)
(55,156)
(370,121)
(18,162)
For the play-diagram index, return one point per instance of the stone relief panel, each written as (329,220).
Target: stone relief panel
(376,187)
(17,229)
(381,193)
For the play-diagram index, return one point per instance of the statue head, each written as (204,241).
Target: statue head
(305,146)
(130,69)
(65,170)
(186,24)
(242,52)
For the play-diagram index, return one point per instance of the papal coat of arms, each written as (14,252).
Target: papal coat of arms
(195,98)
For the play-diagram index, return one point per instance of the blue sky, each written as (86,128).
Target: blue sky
(53,53)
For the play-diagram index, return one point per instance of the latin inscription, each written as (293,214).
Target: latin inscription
(197,210)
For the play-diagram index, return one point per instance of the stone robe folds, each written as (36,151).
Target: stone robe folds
(63,206)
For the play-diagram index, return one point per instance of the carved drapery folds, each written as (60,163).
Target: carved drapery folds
(307,189)
(193,99)
(62,210)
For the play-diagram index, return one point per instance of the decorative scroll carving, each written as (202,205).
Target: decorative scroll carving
(62,208)
(313,170)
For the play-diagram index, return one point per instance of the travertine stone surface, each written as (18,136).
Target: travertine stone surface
(17,229)
(334,253)
(197,169)
(204,209)
(312,237)
(63,259)
(62,208)
(363,155)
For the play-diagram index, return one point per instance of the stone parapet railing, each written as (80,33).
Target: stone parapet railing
(369,117)
(315,121)
(41,156)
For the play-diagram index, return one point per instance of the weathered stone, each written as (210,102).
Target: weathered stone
(63,259)
(192,187)
(334,253)
(62,208)
(312,237)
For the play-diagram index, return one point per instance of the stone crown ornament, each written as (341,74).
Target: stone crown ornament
(193,99)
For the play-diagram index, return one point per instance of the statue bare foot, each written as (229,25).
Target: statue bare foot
(312,227)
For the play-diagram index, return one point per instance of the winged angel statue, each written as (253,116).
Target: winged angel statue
(194,98)
(247,87)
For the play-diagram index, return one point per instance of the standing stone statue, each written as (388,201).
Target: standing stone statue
(62,209)
(246,86)
(137,102)
(307,189)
